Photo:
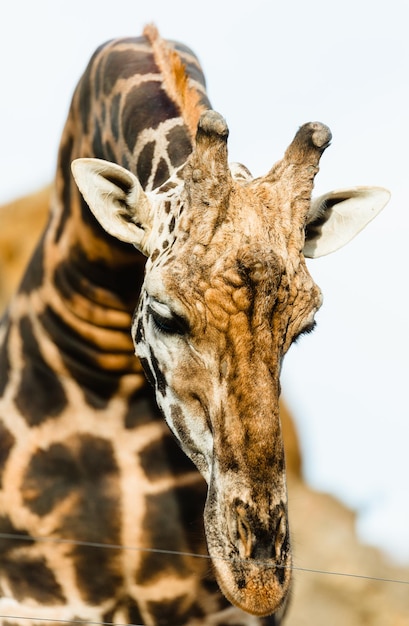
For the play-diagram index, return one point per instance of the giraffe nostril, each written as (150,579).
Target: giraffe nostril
(281,536)
(241,529)
(244,533)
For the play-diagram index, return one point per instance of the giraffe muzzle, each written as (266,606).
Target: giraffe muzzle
(249,543)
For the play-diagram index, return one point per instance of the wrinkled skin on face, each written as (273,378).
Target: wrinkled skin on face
(220,308)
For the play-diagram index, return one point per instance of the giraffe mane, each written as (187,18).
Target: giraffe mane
(176,79)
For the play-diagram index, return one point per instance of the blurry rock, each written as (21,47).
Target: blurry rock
(291,443)
(21,222)
(324,538)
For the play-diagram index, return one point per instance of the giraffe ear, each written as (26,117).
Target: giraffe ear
(336,217)
(117,200)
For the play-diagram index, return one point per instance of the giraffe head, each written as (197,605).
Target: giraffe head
(226,292)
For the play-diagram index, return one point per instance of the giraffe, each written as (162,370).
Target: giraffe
(101,504)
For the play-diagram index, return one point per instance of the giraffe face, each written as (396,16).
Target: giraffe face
(215,318)
(226,292)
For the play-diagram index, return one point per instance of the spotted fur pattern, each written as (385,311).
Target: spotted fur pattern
(86,458)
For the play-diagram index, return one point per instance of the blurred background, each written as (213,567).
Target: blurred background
(270,67)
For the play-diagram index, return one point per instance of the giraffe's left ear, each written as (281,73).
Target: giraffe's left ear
(117,200)
(336,217)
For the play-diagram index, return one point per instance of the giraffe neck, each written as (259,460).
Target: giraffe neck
(130,107)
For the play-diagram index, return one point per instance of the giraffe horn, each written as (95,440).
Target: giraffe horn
(211,124)
(299,165)
(207,175)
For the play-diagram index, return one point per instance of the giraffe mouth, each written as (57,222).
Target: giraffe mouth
(250,551)
(258,587)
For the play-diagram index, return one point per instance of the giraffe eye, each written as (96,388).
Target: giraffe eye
(167,322)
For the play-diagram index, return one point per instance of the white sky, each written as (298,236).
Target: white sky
(270,67)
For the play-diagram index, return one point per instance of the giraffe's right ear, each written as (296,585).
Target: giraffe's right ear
(117,200)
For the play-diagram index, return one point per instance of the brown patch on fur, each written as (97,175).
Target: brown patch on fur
(175,79)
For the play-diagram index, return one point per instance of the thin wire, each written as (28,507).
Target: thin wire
(67,621)
(350,575)
(110,546)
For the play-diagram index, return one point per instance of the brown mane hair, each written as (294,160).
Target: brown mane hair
(176,79)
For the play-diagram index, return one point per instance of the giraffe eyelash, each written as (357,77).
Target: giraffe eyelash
(174,325)
(305,331)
